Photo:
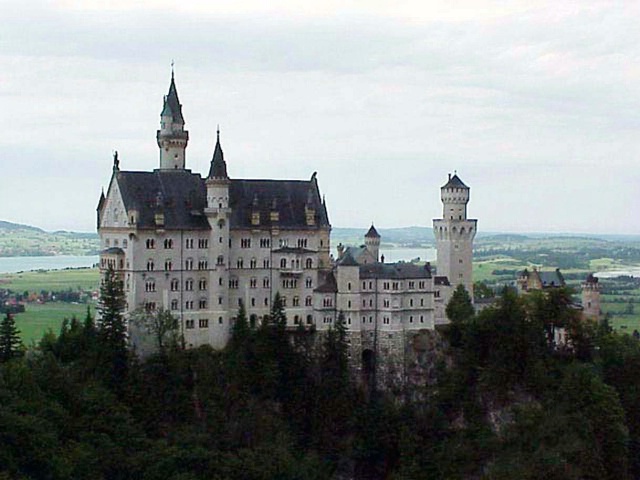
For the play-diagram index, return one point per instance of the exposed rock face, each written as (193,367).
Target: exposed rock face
(400,362)
(425,351)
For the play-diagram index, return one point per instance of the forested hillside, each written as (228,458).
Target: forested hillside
(508,403)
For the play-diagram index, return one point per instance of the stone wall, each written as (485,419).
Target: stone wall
(405,361)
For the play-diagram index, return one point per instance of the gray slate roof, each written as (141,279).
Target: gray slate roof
(394,271)
(547,278)
(455,182)
(218,167)
(181,196)
(172,104)
(288,197)
(551,279)
(347,261)
(329,286)
(372,233)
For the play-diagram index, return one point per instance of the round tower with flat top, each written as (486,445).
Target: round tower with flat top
(591,298)
(454,234)
(172,137)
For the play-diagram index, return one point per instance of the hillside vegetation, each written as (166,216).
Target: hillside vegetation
(18,240)
(508,403)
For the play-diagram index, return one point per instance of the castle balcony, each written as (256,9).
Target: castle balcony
(291,272)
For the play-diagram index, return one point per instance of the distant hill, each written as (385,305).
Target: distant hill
(18,240)
(404,236)
(25,240)
(9,226)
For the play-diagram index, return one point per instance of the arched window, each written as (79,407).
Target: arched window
(283,263)
(309,263)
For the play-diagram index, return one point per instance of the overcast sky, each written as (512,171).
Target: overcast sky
(536,104)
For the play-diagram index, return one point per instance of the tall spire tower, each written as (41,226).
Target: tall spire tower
(454,234)
(172,137)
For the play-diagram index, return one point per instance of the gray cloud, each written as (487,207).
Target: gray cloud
(536,105)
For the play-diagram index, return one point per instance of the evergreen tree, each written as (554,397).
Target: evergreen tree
(10,343)
(278,316)
(112,331)
(459,310)
(240,330)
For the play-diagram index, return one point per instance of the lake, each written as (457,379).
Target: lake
(57,262)
(631,272)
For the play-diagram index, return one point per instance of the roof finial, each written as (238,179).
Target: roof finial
(218,133)
(172,63)
(116,162)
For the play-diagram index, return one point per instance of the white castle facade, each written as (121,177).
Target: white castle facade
(199,247)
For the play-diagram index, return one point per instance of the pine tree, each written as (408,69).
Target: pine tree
(240,331)
(278,316)
(10,343)
(112,331)
(459,310)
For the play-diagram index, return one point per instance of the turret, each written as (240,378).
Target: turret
(372,242)
(591,298)
(455,196)
(218,213)
(454,234)
(217,180)
(172,137)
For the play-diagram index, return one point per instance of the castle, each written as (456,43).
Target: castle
(200,247)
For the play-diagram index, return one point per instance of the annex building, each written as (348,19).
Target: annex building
(200,246)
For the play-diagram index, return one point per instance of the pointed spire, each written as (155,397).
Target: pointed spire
(172,104)
(218,167)
(372,233)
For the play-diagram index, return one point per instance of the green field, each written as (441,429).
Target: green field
(86,279)
(40,318)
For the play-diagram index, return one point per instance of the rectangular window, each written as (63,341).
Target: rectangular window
(203,323)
